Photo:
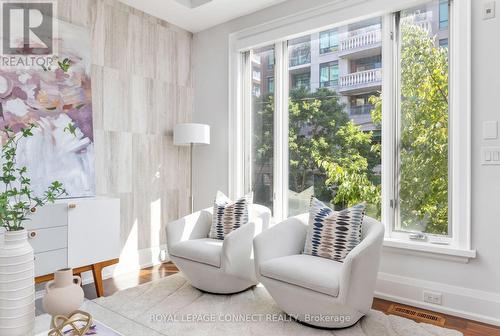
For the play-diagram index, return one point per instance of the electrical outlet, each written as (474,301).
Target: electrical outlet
(433,297)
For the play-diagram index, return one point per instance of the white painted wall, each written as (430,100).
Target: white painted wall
(472,289)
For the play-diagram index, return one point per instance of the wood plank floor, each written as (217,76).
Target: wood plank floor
(467,327)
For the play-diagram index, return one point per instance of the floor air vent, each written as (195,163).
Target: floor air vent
(416,314)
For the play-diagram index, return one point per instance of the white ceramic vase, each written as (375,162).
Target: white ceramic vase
(64,294)
(17,285)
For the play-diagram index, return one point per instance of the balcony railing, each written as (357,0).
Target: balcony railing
(362,40)
(422,20)
(360,109)
(362,78)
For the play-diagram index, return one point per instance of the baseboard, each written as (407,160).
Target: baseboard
(463,302)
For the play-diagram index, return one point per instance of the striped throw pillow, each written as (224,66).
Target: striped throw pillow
(228,215)
(333,234)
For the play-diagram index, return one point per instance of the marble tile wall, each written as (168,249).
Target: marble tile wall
(141,87)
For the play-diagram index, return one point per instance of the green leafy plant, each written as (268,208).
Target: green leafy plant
(424,137)
(326,150)
(70,128)
(17,201)
(64,65)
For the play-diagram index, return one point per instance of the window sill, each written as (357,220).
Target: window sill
(425,249)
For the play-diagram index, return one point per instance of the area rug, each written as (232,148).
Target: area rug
(171,306)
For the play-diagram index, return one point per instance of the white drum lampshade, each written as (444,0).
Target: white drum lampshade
(191,133)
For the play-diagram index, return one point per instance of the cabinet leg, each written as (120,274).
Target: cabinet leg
(97,273)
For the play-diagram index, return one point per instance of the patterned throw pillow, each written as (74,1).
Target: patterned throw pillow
(333,234)
(228,216)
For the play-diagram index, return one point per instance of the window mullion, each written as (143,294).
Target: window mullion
(280,173)
(389,108)
(246,101)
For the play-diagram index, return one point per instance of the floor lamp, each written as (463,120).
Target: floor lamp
(191,134)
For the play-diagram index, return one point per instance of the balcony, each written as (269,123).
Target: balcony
(420,19)
(360,109)
(363,81)
(365,44)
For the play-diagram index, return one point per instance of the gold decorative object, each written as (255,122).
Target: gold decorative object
(79,321)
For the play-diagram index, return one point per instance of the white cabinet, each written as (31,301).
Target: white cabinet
(75,233)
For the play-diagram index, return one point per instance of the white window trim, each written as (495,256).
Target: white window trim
(343,12)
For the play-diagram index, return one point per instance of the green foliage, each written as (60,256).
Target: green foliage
(334,155)
(326,150)
(327,146)
(64,65)
(17,200)
(424,133)
(70,128)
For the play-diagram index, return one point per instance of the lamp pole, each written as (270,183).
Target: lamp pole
(191,198)
(191,134)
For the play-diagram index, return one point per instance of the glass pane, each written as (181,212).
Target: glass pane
(299,52)
(324,41)
(423,156)
(334,39)
(333,154)
(263,126)
(324,74)
(443,14)
(334,73)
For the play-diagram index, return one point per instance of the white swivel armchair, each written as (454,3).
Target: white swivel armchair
(318,291)
(212,265)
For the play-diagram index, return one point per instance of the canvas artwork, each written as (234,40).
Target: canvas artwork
(58,100)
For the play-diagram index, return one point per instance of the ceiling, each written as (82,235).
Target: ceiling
(198,15)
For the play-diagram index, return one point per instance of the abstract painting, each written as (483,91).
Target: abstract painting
(58,100)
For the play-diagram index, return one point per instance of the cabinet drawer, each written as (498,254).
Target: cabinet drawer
(43,240)
(51,261)
(50,215)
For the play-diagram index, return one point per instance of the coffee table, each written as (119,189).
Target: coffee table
(115,321)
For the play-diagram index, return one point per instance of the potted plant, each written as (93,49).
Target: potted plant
(17,203)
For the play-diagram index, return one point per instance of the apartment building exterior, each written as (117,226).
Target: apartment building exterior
(347,60)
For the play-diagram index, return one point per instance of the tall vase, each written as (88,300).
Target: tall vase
(17,285)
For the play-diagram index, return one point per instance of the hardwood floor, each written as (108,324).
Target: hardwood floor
(467,327)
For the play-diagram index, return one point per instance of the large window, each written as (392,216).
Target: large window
(300,52)
(329,74)
(328,41)
(261,136)
(423,186)
(334,128)
(331,155)
(301,80)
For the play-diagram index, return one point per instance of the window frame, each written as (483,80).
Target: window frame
(330,48)
(460,48)
(329,65)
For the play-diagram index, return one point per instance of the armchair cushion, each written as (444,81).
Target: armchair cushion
(333,234)
(207,251)
(317,274)
(228,215)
